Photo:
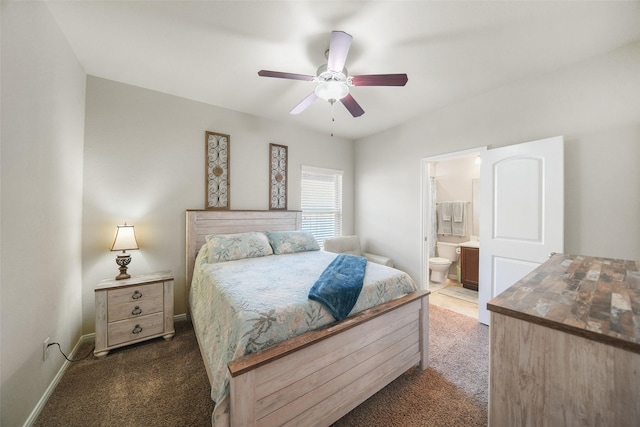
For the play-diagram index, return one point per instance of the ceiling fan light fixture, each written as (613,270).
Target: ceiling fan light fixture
(333,80)
(332,90)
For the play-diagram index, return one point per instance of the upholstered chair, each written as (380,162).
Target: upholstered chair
(351,245)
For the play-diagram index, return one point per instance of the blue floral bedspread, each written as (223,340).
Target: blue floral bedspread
(245,305)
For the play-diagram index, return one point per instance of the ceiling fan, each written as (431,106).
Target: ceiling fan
(334,81)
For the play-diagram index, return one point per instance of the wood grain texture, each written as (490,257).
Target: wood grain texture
(319,383)
(255,360)
(101,324)
(424,333)
(594,298)
(169,330)
(133,330)
(541,376)
(127,296)
(130,310)
(133,310)
(469,270)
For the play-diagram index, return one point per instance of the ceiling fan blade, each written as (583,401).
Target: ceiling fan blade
(338,50)
(304,103)
(354,108)
(380,80)
(280,75)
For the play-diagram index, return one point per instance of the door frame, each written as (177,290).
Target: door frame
(425,205)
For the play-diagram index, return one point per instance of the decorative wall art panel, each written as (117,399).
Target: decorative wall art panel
(217,175)
(277,177)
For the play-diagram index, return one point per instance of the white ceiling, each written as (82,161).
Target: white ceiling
(211,51)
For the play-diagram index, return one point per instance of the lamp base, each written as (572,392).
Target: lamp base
(123,275)
(123,260)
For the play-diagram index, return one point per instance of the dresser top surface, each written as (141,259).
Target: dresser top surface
(596,298)
(159,276)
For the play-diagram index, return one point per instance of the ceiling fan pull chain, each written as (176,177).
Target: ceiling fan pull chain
(333,118)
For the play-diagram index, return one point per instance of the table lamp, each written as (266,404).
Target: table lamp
(125,240)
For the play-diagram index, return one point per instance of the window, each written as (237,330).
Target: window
(321,191)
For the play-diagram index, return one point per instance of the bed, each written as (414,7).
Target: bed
(313,378)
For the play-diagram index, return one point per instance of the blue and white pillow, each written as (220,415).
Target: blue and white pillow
(228,247)
(288,242)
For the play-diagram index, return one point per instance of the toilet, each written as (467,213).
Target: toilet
(447,253)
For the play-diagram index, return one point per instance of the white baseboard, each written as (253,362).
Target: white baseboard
(54,383)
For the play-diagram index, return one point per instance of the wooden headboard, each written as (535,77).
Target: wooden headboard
(201,223)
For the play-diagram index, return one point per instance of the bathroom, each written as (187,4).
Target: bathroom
(454,180)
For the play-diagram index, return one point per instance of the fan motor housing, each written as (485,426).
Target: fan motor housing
(325,75)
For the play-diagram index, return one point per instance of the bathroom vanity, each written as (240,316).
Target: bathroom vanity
(469,264)
(565,345)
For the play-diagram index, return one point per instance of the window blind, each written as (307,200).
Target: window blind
(321,193)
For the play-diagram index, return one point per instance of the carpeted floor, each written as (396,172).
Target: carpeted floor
(163,383)
(155,383)
(453,391)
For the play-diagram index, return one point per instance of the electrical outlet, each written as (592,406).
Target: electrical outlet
(45,349)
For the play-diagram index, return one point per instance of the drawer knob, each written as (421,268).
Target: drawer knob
(137,310)
(137,329)
(137,294)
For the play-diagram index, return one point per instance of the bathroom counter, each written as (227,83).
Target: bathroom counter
(471,244)
(566,338)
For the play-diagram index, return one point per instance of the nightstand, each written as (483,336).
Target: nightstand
(133,310)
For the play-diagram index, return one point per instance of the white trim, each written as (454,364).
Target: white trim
(425,214)
(54,383)
(321,171)
(455,154)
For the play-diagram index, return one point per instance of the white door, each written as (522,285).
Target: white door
(521,213)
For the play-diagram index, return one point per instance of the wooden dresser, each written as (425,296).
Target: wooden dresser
(565,345)
(133,310)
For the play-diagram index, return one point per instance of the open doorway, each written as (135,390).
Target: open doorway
(451,188)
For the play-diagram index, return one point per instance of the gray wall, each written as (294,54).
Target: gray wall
(43,96)
(595,105)
(144,164)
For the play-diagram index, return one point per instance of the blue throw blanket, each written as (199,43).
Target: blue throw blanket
(339,285)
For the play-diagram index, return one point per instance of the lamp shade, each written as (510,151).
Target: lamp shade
(125,239)
(332,90)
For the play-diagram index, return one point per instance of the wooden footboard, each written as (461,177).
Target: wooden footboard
(318,377)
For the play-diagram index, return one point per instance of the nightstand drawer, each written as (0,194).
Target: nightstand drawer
(135,293)
(134,329)
(132,310)
(135,309)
